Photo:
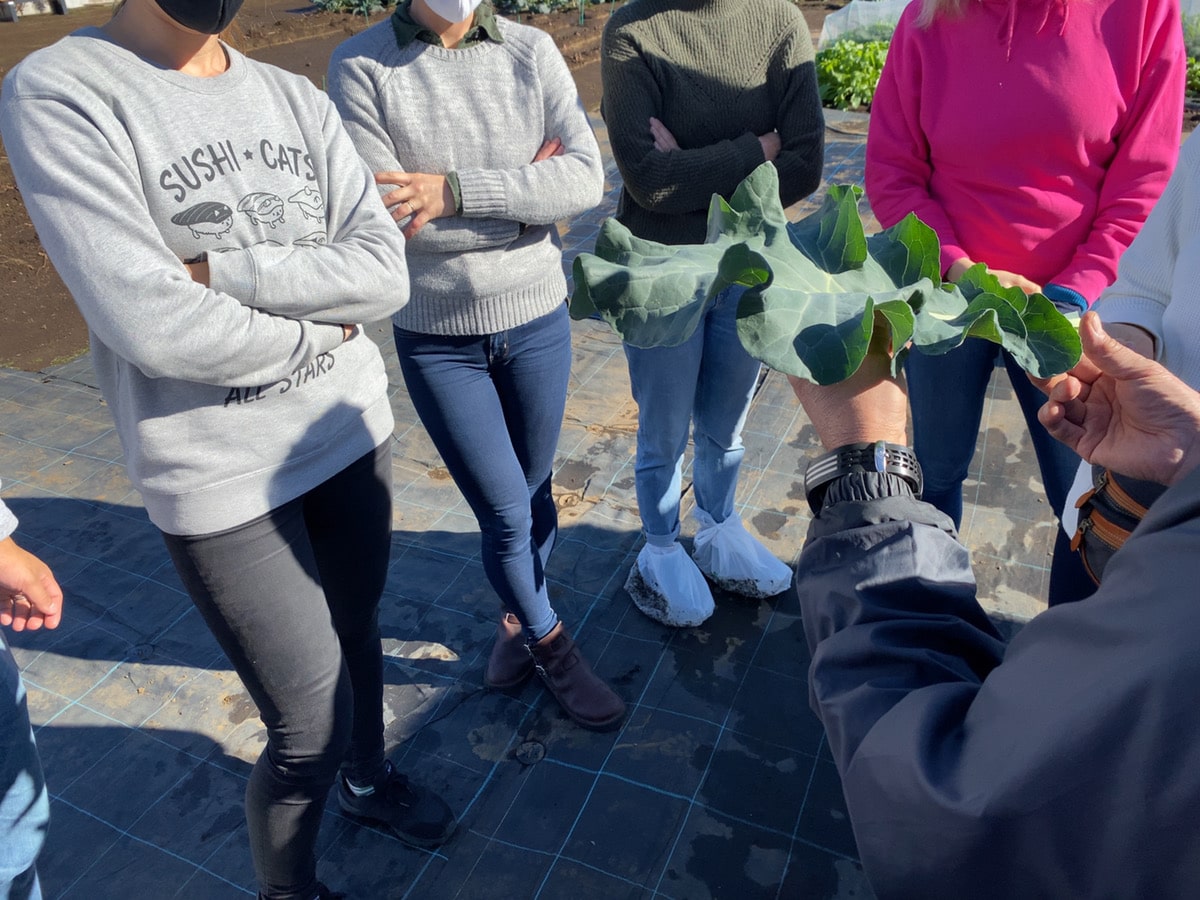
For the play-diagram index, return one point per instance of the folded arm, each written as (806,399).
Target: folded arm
(548,190)
(358,275)
(355,92)
(680,181)
(135,294)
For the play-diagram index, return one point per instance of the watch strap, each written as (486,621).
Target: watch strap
(864,456)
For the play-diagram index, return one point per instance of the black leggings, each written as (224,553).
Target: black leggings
(293,599)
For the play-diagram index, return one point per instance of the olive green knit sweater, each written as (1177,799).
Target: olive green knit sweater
(717,73)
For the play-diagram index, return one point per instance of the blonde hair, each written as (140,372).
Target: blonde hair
(931,9)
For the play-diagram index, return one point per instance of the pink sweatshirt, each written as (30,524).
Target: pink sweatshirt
(1033,135)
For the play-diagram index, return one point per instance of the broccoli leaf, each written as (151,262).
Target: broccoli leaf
(815,290)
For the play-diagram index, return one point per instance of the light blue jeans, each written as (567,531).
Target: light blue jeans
(24,806)
(706,382)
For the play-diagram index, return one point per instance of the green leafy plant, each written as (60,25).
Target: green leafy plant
(1193,76)
(881,30)
(1191,34)
(848,71)
(516,7)
(357,7)
(813,288)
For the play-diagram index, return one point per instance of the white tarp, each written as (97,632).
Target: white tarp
(861,15)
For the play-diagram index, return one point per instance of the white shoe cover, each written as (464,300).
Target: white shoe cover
(666,585)
(735,560)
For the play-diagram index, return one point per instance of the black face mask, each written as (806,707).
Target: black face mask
(205,16)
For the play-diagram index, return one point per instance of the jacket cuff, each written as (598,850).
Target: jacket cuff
(873,498)
(1066,299)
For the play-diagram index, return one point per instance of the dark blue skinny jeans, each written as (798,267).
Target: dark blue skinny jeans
(947,394)
(493,405)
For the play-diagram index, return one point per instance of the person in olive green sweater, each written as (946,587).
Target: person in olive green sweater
(697,94)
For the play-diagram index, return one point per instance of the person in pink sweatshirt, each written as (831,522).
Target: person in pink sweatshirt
(1033,136)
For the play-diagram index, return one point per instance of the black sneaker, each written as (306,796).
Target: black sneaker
(415,814)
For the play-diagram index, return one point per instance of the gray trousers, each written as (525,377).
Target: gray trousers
(293,598)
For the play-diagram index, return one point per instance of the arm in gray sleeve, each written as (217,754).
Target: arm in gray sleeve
(1037,770)
(356,93)
(8,521)
(87,204)
(548,191)
(1146,274)
(358,276)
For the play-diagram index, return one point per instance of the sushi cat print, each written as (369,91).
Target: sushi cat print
(209,182)
(220,198)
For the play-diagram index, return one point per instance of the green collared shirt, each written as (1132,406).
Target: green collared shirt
(408,29)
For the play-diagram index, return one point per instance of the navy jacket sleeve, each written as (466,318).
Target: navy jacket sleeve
(1066,764)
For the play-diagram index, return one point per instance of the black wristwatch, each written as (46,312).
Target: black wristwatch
(874,456)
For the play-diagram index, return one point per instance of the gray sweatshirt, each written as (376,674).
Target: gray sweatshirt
(8,522)
(234,399)
(483,112)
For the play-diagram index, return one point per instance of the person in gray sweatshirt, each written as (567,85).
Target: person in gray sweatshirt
(221,237)
(475,131)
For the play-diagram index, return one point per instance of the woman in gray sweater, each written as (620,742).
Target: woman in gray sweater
(473,126)
(220,235)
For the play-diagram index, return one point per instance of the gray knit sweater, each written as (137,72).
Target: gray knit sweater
(717,73)
(483,112)
(233,399)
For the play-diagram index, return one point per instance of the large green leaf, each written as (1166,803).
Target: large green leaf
(654,295)
(815,289)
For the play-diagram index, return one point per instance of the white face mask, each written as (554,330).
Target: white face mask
(453,10)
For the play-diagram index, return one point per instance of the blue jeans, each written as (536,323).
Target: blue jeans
(493,405)
(293,598)
(947,394)
(707,382)
(24,807)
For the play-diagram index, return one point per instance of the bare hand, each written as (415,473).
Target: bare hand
(771,145)
(348,332)
(30,597)
(1121,410)
(1136,338)
(664,141)
(418,197)
(552,147)
(959,268)
(870,405)
(198,271)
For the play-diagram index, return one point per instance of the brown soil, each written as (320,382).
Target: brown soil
(40,325)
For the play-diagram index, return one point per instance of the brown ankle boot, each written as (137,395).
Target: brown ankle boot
(510,662)
(578,690)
